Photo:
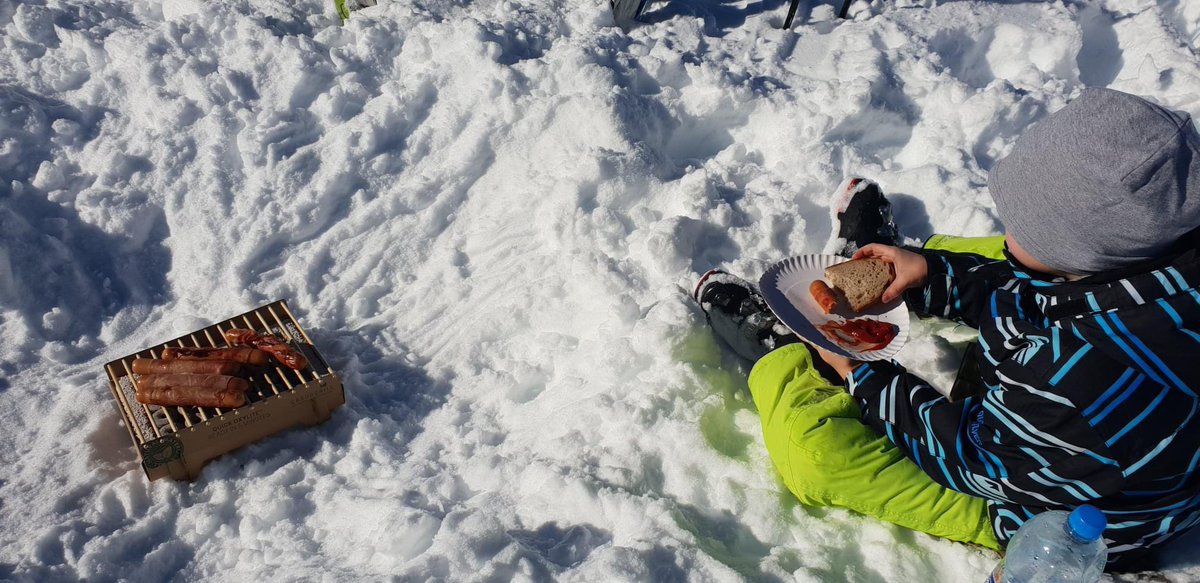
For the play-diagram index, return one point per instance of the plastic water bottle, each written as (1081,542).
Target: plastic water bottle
(1056,547)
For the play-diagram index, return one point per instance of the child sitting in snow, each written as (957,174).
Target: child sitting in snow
(1088,312)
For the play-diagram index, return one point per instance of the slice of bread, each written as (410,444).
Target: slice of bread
(862,281)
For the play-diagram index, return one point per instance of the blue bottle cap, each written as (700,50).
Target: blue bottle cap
(1087,522)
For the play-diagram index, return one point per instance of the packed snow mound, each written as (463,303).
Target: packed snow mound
(488,215)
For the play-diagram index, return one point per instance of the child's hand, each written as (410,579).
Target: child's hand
(842,365)
(911,268)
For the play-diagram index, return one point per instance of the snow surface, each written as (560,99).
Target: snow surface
(489,215)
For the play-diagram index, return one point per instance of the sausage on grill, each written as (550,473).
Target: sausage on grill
(282,351)
(213,381)
(159,366)
(191,396)
(252,356)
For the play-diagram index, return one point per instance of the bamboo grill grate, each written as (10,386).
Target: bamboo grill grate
(149,422)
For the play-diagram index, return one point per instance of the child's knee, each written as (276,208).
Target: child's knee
(786,385)
(811,468)
(777,374)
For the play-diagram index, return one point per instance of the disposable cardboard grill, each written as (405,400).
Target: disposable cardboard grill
(176,442)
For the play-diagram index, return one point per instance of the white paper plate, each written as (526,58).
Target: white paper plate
(785,287)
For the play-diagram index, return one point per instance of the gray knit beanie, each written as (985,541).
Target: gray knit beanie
(1108,181)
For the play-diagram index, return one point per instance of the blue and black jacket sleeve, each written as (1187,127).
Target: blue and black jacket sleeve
(1013,443)
(958,285)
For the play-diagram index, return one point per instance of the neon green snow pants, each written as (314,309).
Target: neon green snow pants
(828,457)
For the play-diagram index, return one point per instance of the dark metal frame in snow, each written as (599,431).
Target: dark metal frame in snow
(787,22)
(627,10)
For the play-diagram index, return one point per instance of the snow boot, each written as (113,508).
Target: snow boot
(739,315)
(861,215)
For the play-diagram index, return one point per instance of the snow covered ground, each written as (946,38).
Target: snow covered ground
(489,215)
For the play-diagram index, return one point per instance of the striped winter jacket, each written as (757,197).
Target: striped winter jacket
(1089,395)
